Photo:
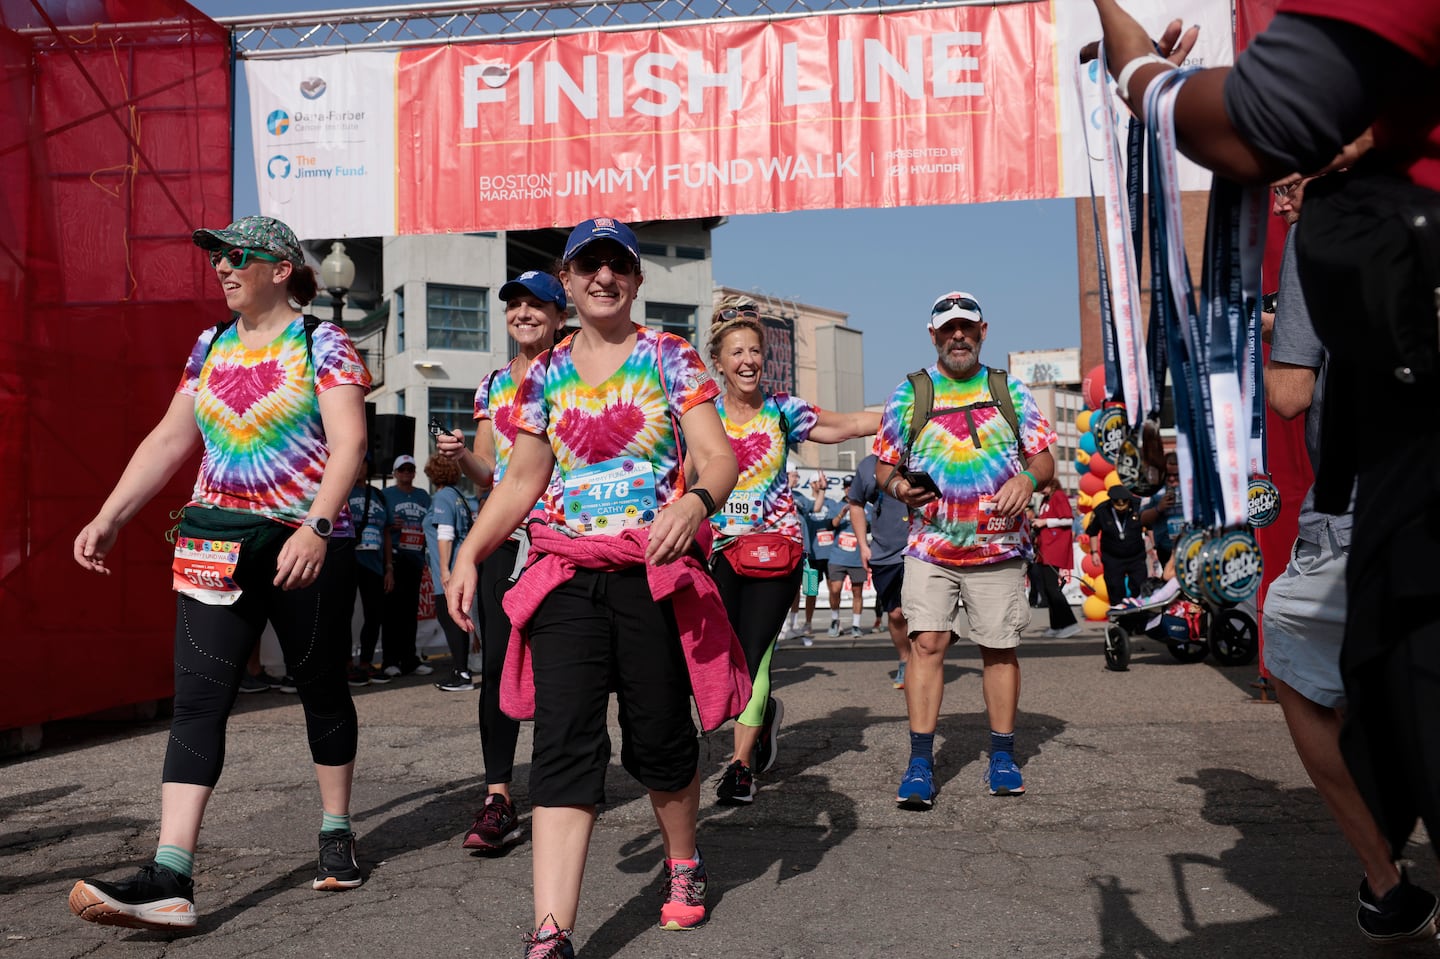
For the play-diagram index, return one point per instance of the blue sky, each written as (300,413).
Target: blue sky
(883,267)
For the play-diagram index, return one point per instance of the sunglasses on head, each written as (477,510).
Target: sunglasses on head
(731,313)
(239,257)
(950,302)
(587,264)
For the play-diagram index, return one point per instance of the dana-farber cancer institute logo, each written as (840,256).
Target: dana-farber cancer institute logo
(278,168)
(278,123)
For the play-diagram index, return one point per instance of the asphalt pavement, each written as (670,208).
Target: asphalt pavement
(1166,815)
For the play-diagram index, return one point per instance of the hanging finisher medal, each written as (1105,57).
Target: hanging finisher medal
(1208,367)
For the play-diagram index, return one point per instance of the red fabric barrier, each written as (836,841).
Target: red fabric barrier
(117,146)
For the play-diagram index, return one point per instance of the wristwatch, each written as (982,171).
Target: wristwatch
(322,526)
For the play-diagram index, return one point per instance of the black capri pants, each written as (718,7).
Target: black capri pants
(213,644)
(597,632)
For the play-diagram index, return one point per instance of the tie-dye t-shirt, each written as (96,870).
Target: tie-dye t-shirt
(259,415)
(627,415)
(760,446)
(969,470)
(495,401)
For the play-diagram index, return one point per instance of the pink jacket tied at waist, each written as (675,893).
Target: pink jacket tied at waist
(719,678)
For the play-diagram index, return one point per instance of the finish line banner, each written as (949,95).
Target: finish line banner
(929,107)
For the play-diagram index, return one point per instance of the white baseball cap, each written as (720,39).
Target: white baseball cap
(954,305)
(404,459)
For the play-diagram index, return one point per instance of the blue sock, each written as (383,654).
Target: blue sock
(1002,743)
(329,823)
(176,858)
(922,746)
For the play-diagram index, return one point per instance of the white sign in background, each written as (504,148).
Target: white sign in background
(1076,25)
(324,135)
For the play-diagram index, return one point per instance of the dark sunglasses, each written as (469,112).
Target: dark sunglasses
(950,302)
(239,257)
(730,313)
(588,265)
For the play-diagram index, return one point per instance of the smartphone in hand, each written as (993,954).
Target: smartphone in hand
(922,480)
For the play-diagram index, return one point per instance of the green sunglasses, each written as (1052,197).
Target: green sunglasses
(239,257)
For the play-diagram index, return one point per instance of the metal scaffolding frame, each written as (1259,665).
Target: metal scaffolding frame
(395,27)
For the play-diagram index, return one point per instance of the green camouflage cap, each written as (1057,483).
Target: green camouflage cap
(254,233)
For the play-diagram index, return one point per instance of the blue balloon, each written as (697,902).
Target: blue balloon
(1087,442)
(1082,468)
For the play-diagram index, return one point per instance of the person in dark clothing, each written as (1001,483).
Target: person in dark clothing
(1348,71)
(1122,544)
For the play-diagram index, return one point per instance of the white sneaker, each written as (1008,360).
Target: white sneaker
(1050,632)
(807,639)
(1068,631)
(834,629)
(424,670)
(391,670)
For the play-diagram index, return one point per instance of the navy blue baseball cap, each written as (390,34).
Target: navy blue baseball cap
(601,228)
(542,286)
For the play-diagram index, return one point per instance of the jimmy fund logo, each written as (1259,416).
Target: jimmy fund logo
(312,88)
(278,168)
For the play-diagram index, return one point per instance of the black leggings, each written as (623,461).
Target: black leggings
(402,606)
(213,644)
(498,732)
(372,606)
(756,607)
(1061,615)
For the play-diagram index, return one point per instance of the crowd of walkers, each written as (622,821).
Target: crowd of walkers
(641,535)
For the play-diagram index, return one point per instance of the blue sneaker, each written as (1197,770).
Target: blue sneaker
(1004,777)
(917,787)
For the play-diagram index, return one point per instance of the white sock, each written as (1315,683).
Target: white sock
(855,619)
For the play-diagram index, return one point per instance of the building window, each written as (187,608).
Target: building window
(653,249)
(400,319)
(690,252)
(455,409)
(672,318)
(456,317)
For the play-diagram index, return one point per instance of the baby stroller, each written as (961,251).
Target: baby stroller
(1189,629)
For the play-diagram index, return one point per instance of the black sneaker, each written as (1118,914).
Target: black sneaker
(287,684)
(359,676)
(253,684)
(737,785)
(338,868)
(1405,913)
(766,747)
(496,825)
(378,676)
(458,682)
(157,897)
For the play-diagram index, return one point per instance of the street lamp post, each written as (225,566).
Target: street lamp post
(337,273)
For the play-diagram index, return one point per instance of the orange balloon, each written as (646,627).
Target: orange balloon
(1100,466)
(1090,566)
(1112,479)
(1090,484)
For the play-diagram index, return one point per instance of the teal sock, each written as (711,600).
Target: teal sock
(173,857)
(329,823)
